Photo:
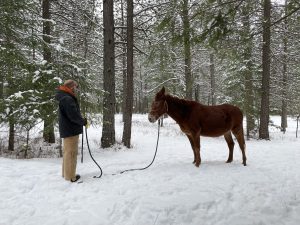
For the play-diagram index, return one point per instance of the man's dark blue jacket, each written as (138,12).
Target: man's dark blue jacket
(70,120)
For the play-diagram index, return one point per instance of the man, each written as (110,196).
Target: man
(70,126)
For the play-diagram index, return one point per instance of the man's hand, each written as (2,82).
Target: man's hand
(85,122)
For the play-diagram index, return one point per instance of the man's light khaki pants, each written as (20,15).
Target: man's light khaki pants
(70,149)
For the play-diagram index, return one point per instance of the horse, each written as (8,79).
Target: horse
(196,119)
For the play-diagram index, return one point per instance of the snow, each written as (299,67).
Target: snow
(61,40)
(44,62)
(7,110)
(58,47)
(19,94)
(58,79)
(172,191)
(78,69)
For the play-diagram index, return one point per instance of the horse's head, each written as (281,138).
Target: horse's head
(159,106)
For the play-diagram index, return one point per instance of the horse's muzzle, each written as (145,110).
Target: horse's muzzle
(151,118)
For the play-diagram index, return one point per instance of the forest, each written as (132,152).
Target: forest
(121,53)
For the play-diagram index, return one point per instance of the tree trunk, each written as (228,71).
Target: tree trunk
(187,50)
(48,133)
(145,99)
(11,137)
(212,79)
(124,69)
(46,30)
(249,103)
(1,85)
(129,90)
(297,125)
(27,144)
(247,56)
(265,105)
(284,77)
(197,93)
(140,91)
(109,100)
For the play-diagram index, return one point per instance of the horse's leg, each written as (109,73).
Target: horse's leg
(192,144)
(230,143)
(239,134)
(196,139)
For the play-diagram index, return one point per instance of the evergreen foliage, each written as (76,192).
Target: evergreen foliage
(167,51)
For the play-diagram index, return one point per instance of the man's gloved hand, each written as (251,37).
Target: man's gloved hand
(85,122)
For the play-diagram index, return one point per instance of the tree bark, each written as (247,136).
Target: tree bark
(11,137)
(124,72)
(1,86)
(212,79)
(284,77)
(265,105)
(129,90)
(187,50)
(48,133)
(46,29)
(140,91)
(247,56)
(109,100)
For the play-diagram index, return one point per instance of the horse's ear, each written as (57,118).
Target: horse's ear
(160,94)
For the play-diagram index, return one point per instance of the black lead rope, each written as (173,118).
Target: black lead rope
(82,148)
(87,141)
(159,122)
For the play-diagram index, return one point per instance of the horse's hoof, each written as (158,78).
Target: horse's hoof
(228,161)
(197,164)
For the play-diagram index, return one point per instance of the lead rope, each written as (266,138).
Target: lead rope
(82,147)
(87,141)
(159,123)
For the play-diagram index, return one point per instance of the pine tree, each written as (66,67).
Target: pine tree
(187,49)
(284,76)
(265,103)
(16,66)
(48,133)
(126,139)
(108,129)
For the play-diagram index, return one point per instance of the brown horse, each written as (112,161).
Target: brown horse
(197,120)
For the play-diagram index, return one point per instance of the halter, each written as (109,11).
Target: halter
(166,106)
(157,109)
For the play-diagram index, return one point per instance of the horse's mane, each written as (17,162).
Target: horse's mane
(178,100)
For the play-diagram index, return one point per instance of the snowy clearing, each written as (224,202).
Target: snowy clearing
(172,191)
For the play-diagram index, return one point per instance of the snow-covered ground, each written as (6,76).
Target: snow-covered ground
(172,191)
